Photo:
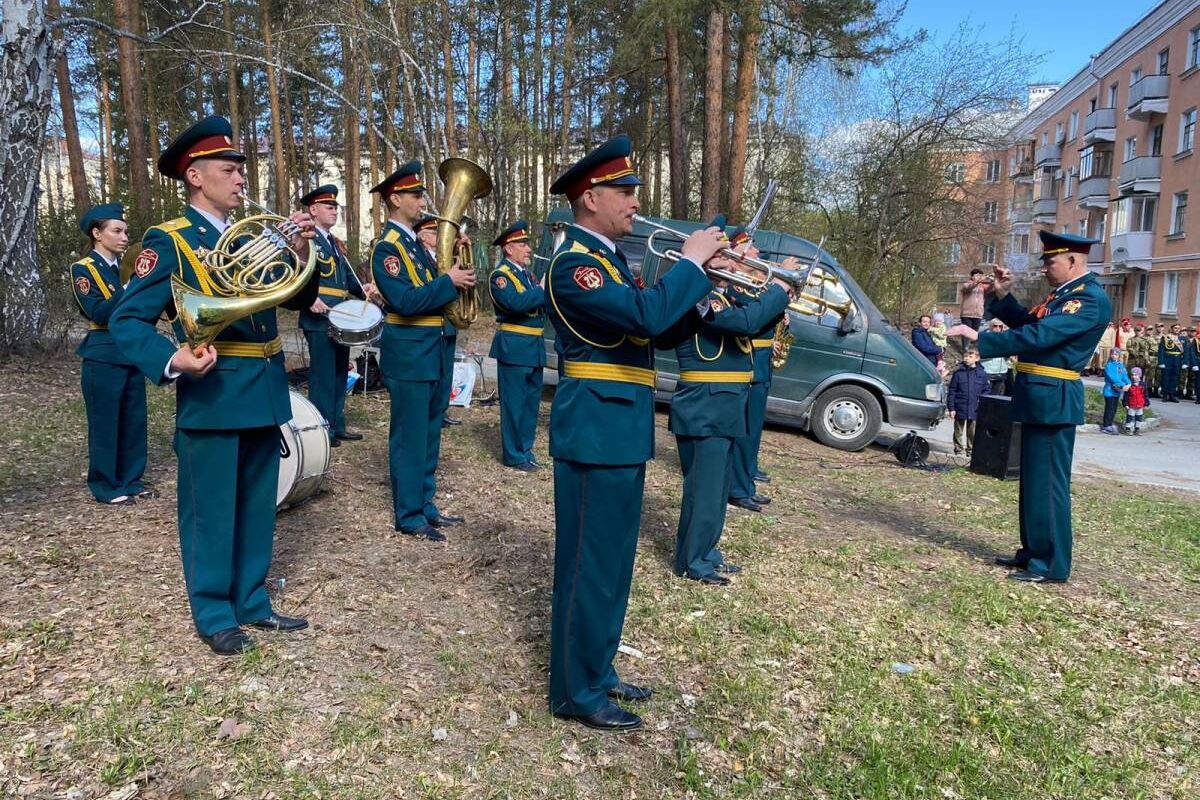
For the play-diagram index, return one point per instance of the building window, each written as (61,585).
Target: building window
(1187,130)
(1068,179)
(1112,96)
(947,293)
(1073,125)
(1164,59)
(1170,292)
(989,253)
(954,253)
(993,171)
(1091,104)
(1045,138)
(1134,214)
(1135,75)
(1094,163)
(1193,47)
(990,211)
(1131,148)
(1156,140)
(956,172)
(1100,227)
(1083,228)
(1179,212)
(1139,296)
(1018,244)
(1058,131)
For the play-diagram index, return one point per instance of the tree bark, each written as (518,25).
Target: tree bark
(66,97)
(677,140)
(127,14)
(451,127)
(108,137)
(743,100)
(350,89)
(231,74)
(714,80)
(564,127)
(280,170)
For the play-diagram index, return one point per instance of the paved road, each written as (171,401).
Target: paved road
(1165,456)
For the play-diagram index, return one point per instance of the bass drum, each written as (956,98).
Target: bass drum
(303,454)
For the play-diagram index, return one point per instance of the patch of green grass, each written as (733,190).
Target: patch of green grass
(1093,407)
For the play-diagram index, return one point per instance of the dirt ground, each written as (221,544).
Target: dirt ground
(424,671)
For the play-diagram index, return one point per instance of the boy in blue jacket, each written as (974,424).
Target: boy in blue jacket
(968,383)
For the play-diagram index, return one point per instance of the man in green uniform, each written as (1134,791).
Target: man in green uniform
(231,397)
(426,231)
(1155,379)
(1170,362)
(745,472)
(1191,362)
(517,345)
(328,361)
(413,352)
(709,411)
(602,423)
(1053,341)
(114,391)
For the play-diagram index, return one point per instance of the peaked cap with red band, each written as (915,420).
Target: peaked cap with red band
(1055,243)
(325,193)
(427,221)
(607,165)
(517,232)
(211,137)
(406,179)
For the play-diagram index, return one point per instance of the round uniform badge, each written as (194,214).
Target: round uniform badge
(1071,306)
(392,265)
(83,285)
(588,278)
(501,282)
(146,261)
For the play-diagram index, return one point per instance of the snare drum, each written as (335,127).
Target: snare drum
(355,322)
(303,454)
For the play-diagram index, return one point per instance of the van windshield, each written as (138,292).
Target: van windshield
(635,253)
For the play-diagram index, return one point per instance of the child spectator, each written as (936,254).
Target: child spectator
(968,383)
(938,330)
(1116,383)
(1137,400)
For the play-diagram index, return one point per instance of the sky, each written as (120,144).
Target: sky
(1088,26)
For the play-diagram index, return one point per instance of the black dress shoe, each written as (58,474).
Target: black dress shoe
(333,442)
(446,521)
(229,642)
(123,500)
(148,494)
(609,718)
(762,477)
(278,622)
(347,436)
(630,693)
(425,532)
(449,420)
(745,502)
(728,569)
(712,579)
(761,499)
(1025,576)
(1012,562)
(525,466)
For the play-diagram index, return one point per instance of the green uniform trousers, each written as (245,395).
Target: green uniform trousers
(1045,503)
(444,387)
(520,398)
(413,439)
(745,448)
(114,396)
(598,510)
(707,475)
(1170,378)
(328,365)
(227,485)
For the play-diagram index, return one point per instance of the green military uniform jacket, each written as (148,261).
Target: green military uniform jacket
(1062,334)
(520,316)
(414,296)
(606,329)
(717,365)
(239,392)
(336,282)
(1191,357)
(1170,350)
(98,289)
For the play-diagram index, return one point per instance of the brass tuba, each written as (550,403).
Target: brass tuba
(463,181)
(247,271)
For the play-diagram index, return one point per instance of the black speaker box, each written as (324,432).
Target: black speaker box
(996,451)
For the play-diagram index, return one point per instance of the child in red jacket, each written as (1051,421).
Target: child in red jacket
(1136,399)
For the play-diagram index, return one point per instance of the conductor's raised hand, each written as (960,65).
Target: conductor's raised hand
(1002,282)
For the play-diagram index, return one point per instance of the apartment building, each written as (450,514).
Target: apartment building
(1112,155)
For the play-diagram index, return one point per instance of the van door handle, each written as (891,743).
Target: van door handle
(850,353)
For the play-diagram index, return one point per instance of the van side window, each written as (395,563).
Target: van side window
(635,253)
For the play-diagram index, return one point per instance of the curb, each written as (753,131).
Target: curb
(1148,425)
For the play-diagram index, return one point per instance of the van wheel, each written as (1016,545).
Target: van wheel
(846,417)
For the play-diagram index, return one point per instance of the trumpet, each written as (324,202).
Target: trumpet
(798,279)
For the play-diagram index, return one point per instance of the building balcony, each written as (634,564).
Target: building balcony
(1096,254)
(1020,213)
(1021,171)
(1094,191)
(1100,126)
(1141,175)
(1132,250)
(1048,156)
(1148,97)
(1017,262)
(1045,209)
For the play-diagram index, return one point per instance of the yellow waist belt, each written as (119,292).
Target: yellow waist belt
(96,326)
(1047,372)
(417,322)
(332,291)
(611,372)
(250,349)
(525,329)
(715,376)
(760,343)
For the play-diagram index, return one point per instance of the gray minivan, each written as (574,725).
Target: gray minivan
(845,375)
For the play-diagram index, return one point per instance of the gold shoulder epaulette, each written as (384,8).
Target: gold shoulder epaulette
(177,224)
(86,261)
(392,236)
(577,247)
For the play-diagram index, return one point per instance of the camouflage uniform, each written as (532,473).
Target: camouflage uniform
(1142,351)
